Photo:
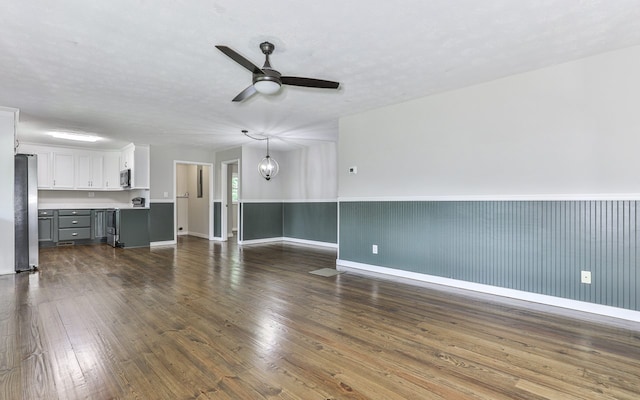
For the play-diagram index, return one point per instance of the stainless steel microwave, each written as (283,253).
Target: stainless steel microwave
(125,178)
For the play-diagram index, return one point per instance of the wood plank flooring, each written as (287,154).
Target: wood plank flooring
(208,320)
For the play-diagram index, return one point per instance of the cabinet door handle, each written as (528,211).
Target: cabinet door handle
(74,222)
(74,234)
(73,213)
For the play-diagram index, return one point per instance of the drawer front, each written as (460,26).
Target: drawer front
(75,221)
(74,234)
(45,213)
(74,212)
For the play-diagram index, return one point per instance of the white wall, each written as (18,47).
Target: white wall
(100,199)
(569,129)
(311,173)
(308,173)
(8,122)
(198,206)
(161,163)
(253,186)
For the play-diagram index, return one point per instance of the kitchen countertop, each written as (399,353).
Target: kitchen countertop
(85,206)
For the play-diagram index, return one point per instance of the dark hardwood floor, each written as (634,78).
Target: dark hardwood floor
(209,320)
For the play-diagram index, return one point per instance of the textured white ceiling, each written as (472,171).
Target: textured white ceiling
(147,70)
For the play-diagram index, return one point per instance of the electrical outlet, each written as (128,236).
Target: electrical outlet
(585,277)
(374,249)
(92,194)
(166,194)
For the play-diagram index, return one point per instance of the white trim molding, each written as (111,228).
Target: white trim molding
(161,201)
(310,201)
(200,235)
(260,241)
(497,197)
(408,276)
(260,201)
(163,243)
(288,201)
(312,243)
(302,242)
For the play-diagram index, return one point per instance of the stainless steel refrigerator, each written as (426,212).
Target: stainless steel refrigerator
(26,211)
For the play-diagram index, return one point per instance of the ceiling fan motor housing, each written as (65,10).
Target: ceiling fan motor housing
(269,75)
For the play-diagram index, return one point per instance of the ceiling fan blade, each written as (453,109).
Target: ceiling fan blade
(240,59)
(245,94)
(309,82)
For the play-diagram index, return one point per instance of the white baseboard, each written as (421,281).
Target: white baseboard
(313,243)
(408,276)
(181,233)
(291,240)
(164,243)
(260,241)
(200,235)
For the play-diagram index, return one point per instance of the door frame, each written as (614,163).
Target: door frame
(175,199)
(224,192)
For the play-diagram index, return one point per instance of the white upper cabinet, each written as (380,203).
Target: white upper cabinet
(65,168)
(127,159)
(111,172)
(63,171)
(136,158)
(89,171)
(44,169)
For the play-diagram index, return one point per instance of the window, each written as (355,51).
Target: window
(234,187)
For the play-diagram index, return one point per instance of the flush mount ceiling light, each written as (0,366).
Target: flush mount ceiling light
(266,86)
(79,137)
(268,167)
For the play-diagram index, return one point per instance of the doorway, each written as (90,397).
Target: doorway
(193,192)
(231,208)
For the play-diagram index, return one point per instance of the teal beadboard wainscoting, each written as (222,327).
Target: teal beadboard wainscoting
(534,246)
(311,221)
(217,219)
(161,222)
(261,220)
(306,221)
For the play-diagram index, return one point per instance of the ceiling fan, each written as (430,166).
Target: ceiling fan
(267,80)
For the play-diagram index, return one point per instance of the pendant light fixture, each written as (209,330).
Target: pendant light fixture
(268,167)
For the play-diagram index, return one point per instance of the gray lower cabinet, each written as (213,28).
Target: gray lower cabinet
(74,225)
(58,227)
(46,226)
(134,227)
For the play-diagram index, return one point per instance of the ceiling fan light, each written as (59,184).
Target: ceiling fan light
(267,86)
(268,167)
